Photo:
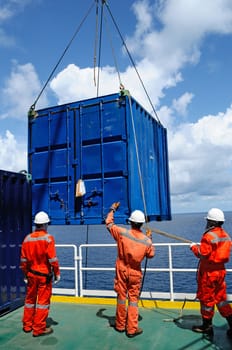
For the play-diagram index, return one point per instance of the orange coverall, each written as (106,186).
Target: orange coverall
(38,256)
(133,246)
(213,252)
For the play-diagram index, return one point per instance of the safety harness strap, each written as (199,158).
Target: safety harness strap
(38,273)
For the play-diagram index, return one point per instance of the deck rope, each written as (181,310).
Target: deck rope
(170,235)
(180,314)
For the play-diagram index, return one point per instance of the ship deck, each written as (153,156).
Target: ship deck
(84,323)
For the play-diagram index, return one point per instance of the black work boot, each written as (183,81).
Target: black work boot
(229,331)
(205,328)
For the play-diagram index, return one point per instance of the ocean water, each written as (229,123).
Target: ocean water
(190,226)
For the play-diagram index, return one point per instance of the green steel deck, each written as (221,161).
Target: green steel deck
(79,325)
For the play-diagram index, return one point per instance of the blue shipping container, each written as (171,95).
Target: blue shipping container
(15,224)
(110,143)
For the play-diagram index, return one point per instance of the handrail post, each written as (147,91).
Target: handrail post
(76,271)
(170,272)
(74,266)
(80,271)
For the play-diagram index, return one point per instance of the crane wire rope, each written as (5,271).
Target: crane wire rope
(100,44)
(137,157)
(132,61)
(99,51)
(113,51)
(141,184)
(95,45)
(62,56)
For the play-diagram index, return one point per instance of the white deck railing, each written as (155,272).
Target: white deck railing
(78,269)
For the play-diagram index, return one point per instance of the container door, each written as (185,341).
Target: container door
(101,159)
(49,163)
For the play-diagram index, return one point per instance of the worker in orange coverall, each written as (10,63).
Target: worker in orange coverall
(133,246)
(39,263)
(213,252)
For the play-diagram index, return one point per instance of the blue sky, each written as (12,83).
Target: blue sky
(182,50)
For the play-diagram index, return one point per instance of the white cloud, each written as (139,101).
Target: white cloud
(181,104)
(174,38)
(8,10)
(5,13)
(6,40)
(20,91)
(166,114)
(13,156)
(201,160)
(74,83)
(165,40)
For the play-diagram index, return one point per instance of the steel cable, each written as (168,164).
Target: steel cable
(141,182)
(132,61)
(61,57)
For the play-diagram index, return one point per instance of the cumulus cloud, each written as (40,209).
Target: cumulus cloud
(74,83)
(20,91)
(13,156)
(9,9)
(201,161)
(181,104)
(168,36)
(6,40)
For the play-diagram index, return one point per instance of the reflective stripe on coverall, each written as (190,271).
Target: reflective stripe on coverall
(133,247)
(213,252)
(38,254)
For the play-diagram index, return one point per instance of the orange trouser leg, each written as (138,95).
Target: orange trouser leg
(42,306)
(28,316)
(121,314)
(225,309)
(221,298)
(132,317)
(121,290)
(212,291)
(207,311)
(133,296)
(30,303)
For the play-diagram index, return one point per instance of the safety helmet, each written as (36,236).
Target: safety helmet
(215,214)
(41,218)
(137,216)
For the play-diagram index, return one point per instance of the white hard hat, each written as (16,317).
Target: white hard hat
(137,216)
(41,218)
(215,214)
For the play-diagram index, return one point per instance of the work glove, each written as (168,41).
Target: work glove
(115,206)
(57,279)
(148,233)
(192,244)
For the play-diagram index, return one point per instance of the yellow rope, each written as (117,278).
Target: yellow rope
(170,235)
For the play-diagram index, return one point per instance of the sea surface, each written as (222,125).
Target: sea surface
(189,226)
